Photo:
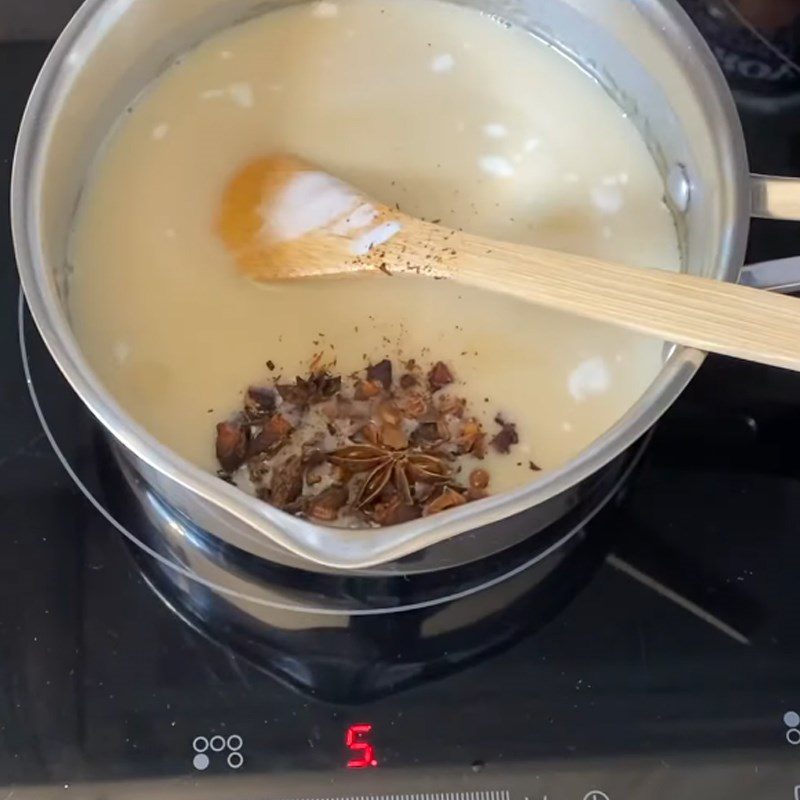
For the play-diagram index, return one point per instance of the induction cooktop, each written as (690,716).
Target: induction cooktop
(658,655)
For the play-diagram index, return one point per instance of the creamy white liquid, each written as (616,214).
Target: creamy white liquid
(432,106)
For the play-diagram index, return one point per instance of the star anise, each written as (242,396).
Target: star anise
(400,469)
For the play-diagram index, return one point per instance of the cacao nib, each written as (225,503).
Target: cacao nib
(231,445)
(319,387)
(448,498)
(440,376)
(313,454)
(367,434)
(287,483)
(325,386)
(426,432)
(294,393)
(381,373)
(414,405)
(448,404)
(326,505)
(368,449)
(389,412)
(260,402)
(507,437)
(272,437)
(471,438)
(367,390)
(394,437)
(396,512)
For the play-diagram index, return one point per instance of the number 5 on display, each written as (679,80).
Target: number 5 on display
(356,741)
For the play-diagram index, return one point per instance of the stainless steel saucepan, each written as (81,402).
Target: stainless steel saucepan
(647,54)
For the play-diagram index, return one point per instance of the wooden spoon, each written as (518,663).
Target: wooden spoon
(285,219)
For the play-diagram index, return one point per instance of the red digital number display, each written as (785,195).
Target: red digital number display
(356,741)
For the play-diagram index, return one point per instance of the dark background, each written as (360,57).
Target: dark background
(34,19)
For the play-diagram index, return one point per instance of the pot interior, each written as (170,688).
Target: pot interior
(646,55)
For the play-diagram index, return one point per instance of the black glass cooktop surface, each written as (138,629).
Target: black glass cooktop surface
(654,652)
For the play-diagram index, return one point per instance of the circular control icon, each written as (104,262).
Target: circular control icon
(791,719)
(229,748)
(201,762)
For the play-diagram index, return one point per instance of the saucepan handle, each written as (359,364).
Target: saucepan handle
(782,275)
(774,197)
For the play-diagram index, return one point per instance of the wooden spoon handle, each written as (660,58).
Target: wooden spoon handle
(302,223)
(707,314)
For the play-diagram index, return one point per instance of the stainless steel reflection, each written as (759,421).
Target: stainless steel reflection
(181,542)
(647,54)
(781,275)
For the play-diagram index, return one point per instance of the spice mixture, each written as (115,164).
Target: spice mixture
(377,448)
